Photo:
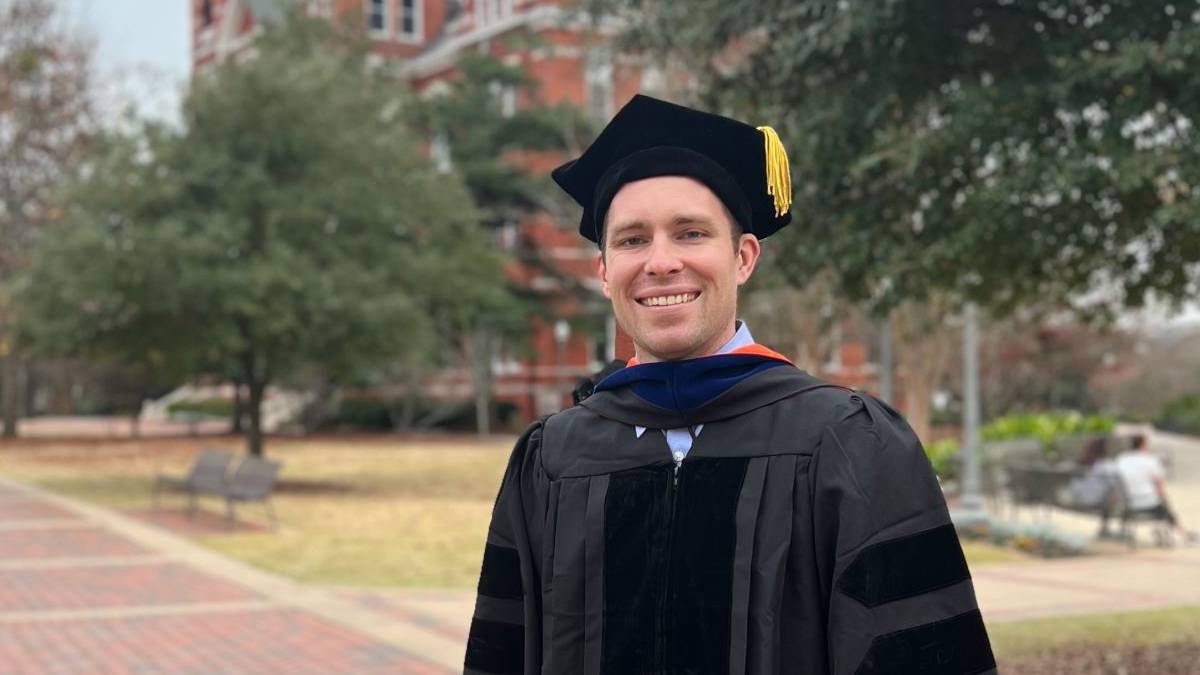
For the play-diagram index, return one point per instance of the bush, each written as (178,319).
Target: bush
(942,455)
(1181,415)
(367,414)
(1048,428)
(211,407)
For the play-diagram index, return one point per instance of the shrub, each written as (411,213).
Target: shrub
(368,414)
(942,455)
(1181,415)
(1047,426)
(212,407)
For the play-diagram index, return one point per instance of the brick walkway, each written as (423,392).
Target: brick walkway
(88,591)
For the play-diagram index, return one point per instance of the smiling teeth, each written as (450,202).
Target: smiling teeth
(666,300)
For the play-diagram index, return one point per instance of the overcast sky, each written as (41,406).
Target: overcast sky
(142,50)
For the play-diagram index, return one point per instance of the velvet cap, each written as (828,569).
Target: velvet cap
(745,167)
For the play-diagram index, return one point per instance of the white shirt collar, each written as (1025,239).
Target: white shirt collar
(741,338)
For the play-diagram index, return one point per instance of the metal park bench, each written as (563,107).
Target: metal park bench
(1130,518)
(207,473)
(251,481)
(1048,487)
(1036,485)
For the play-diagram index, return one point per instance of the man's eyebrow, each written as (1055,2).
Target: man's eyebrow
(692,219)
(621,228)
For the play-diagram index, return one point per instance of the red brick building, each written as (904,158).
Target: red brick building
(571,62)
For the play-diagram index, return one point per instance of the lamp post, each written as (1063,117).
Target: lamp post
(562,333)
(970,509)
(887,361)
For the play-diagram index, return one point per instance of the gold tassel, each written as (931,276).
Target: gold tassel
(779,173)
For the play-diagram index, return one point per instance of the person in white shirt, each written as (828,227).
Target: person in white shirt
(1144,478)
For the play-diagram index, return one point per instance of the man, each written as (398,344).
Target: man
(1144,478)
(710,508)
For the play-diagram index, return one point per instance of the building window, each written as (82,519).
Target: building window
(377,19)
(206,13)
(490,11)
(439,152)
(321,8)
(598,80)
(505,97)
(410,28)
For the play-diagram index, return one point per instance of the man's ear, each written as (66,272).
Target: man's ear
(602,272)
(748,250)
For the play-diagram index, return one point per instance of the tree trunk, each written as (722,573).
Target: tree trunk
(407,418)
(254,435)
(920,396)
(11,396)
(923,342)
(235,417)
(29,404)
(481,376)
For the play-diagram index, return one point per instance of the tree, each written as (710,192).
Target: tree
(45,124)
(994,150)
(926,347)
(291,224)
(487,126)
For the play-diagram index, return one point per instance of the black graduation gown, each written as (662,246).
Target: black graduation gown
(804,533)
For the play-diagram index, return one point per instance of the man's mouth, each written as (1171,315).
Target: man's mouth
(668,300)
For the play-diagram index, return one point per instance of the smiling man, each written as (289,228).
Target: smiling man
(710,508)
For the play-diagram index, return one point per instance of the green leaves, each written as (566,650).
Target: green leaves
(1004,152)
(293,223)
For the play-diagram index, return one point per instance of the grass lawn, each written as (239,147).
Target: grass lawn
(1127,629)
(373,511)
(361,511)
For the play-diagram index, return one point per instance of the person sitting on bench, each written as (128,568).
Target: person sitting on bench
(1091,489)
(1145,485)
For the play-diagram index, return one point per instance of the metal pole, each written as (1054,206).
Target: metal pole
(610,338)
(887,361)
(562,333)
(970,508)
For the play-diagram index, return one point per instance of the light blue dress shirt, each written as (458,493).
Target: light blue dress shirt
(679,440)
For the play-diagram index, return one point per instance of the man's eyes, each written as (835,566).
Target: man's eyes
(638,240)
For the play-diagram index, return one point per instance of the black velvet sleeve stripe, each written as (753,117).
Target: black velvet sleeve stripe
(495,647)
(955,646)
(500,576)
(905,567)
(504,610)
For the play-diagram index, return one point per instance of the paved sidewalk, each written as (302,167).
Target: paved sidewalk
(1137,580)
(85,590)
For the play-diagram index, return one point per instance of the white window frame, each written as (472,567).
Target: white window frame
(488,12)
(439,152)
(386,8)
(209,18)
(418,21)
(320,8)
(599,75)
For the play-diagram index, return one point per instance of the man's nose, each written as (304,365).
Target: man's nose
(662,258)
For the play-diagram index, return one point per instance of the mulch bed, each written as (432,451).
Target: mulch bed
(1180,658)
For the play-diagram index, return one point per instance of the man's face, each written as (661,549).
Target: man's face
(671,267)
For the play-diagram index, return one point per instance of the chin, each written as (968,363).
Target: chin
(670,349)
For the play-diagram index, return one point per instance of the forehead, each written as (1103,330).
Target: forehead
(665,199)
